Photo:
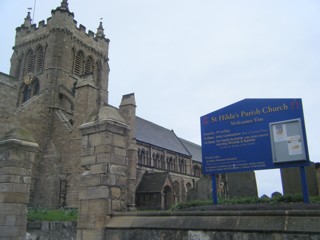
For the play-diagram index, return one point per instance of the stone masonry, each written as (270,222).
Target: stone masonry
(17,151)
(106,145)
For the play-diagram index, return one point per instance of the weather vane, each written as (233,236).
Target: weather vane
(101,19)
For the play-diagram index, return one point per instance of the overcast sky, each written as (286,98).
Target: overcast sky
(186,58)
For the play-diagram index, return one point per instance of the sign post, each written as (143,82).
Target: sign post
(304,184)
(255,134)
(214,189)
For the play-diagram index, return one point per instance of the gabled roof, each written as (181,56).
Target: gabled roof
(152,182)
(193,149)
(156,135)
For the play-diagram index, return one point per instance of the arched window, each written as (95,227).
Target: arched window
(196,171)
(88,66)
(168,163)
(139,156)
(175,162)
(30,90)
(142,155)
(189,186)
(35,87)
(157,161)
(78,65)
(168,197)
(29,64)
(176,187)
(154,162)
(26,93)
(39,60)
(18,69)
(147,159)
(182,167)
(163,163)
(172,164)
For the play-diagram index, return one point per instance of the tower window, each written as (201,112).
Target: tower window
(18,69)
(78,67)
(39,60)
(30,90)
(30,62)
(88,66)
(26,93)
(35,87)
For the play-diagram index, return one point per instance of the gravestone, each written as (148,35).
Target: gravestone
(242,184)
(291,181)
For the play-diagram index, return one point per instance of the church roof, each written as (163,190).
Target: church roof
(194,150)
(152,182)
(156,135)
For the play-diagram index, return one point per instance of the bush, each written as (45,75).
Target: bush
(195,203)
(277,199)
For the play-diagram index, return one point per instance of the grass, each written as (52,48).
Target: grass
(53,215)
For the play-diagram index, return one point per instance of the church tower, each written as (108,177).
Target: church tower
(62,75)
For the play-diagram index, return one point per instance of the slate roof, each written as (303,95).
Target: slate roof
(152,182)
(156,135)
(193,149)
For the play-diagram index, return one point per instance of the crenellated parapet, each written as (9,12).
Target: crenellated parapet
(25,29)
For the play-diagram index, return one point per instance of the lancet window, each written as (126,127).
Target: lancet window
(39,60)
(29,64)
(88,65)
(30,90)
(78,65)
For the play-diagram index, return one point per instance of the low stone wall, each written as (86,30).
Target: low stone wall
(249,225)
(51,231)
(215,225)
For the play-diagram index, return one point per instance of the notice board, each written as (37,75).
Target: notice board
(243,136)
(287,141)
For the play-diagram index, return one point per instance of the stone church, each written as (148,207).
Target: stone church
(57,90)
(56,95)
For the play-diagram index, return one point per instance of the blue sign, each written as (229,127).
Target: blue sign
(254,134)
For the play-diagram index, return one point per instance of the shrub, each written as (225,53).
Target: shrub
(276,199)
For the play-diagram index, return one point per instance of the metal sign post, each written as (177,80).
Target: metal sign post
(214,189)
(304,185)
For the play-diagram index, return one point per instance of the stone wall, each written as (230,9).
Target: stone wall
(8,96)
(249,225)
(17,150)
(142,234)
(51,231)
